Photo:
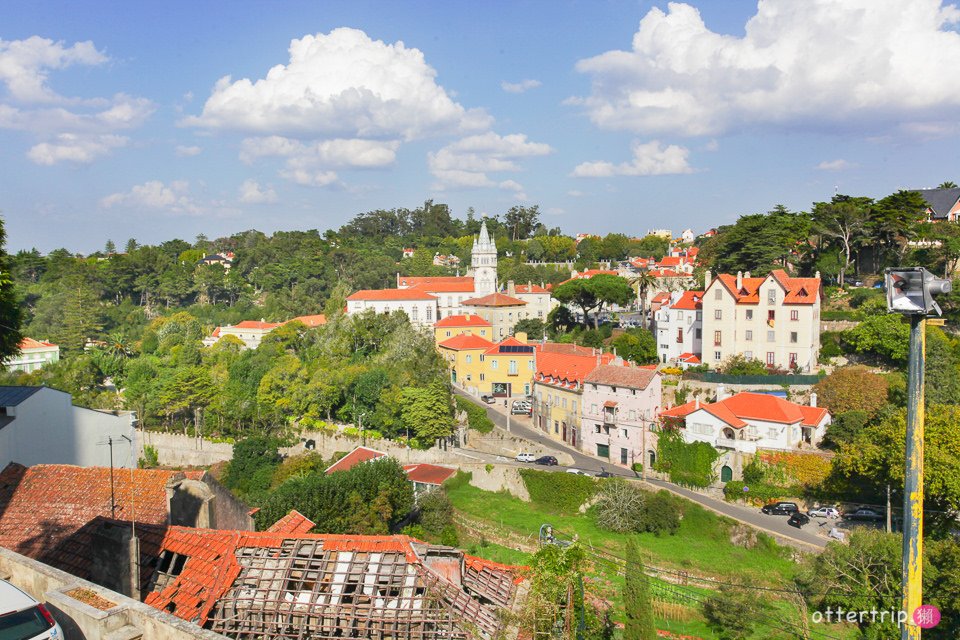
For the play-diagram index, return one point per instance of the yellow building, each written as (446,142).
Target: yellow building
(504,369)
(470,324)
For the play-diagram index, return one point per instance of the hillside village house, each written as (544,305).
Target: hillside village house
(943,204)
(539,301)
(502,311)
(502,369)
(33,355)
(679,328)
(252,332)
(748,422)
(558,388)
(619,406)
(775,319)
(420,306)
(451,326)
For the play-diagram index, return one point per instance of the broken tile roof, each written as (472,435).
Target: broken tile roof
(293,523)
(355,457)
(44,509)
(282,586)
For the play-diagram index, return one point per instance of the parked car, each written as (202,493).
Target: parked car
(488,399)
(824,512)
(525,457)
(520,408)
(780,508)
(864,514)
(797,519)
(23,618)
(550,461)
(579,472)
(603,473)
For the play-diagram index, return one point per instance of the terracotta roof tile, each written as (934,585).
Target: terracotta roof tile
(464,320)
(355,457)
(690,300)
(257,324)
(465,342)
(29,343)
(391,294)
(495,300)
(428,473)
(293,523)
(621,376)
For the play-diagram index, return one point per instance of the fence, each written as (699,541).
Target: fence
(789,380)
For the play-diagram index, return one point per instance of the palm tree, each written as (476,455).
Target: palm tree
(949,184)
(642,282)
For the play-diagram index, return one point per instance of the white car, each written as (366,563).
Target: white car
(579,472)
(823,512)
(23,618)
(525,457)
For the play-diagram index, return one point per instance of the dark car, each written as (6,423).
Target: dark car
(798,519)
(488,399)
(863,514)
(604,473)
(547,460)
(780,508)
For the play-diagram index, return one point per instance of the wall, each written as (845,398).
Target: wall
(502,444)
(83,622)
(497,478)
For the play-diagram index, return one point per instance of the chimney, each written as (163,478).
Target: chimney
(721,393)
(707,279)
(740,280)
(511,288)
(817,275)
(813,399)
(696,403)
(746,274)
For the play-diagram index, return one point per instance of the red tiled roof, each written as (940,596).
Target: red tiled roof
(530,288)
(798,290)
(563,369)
(690,300)
(511,342)
(30,343)
(755,406)
(465,320)
(311,321)
(216,333)
(812,416)
(661,297)
(495,300)
(256,324)
(466,341)
(428,473)
(355,457)
(689,358)
(391,294)
(622,376)
(671,261)
(293,523)
(44,508)
(421,281)
(569,349)
(609,404)
(446,287)
(589,273)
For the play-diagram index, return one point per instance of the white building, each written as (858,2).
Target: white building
(687,237)
(39,425)
(775,319)
(679,327)
(421,307)
(539,301)
(748,422)
(33,355)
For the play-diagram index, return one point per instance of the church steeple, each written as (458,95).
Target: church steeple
(483,263)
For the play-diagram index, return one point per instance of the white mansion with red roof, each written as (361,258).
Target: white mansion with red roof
(747,422)
(679,328)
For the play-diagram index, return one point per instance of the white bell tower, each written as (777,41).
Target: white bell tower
(483,263)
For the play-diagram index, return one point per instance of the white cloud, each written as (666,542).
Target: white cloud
(334,153)
(173,198)
(185,151)
(81,148)
(520,87)
(66,129)
(309,177)
(575,193)
(819,64)
(649,159)
(252,193)
(466,162)
(341,84)
(835,165)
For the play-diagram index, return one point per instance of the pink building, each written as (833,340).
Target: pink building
(620,404)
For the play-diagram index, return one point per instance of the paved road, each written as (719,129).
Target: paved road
(523,427)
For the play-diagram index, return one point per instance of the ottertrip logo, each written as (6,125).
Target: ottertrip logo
(925,616)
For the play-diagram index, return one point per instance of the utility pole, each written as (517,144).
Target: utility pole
(889,515)
(113,502)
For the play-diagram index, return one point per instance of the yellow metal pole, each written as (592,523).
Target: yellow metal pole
(913,481)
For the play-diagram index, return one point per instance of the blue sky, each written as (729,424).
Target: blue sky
(160,120)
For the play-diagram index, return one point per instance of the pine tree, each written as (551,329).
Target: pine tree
(638,612)
(11,313)
(110,248)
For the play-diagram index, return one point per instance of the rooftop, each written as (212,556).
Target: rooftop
(495,300)
(465,320)
(621,376)
(797,290)
(391,294)
(30,343)
(690,300)
(567,370)
(465,342)
(428,473)
(738,408)
(355,457)
(311,321)
(256,324)
(404,282)
(12,396)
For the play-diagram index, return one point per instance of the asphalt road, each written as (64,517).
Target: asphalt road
(522,426)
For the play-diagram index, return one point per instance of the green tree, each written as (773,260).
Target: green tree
(733,612)
(948,184)
(426,411)
(642,283)
(843,220)
(251,468)
(81,313)
(521,221)
(11,313)
(885,337)
(739,365)
(640,347)
(638,610)
(853,388)
(533,327)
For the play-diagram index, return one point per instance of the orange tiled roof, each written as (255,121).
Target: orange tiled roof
(690,300)
(420,281)
(445,287)
(589,273)
(689,358)
(256,324)
(355,457)
(30,343)
(495,300)
(512,342)
(311,321)
(465,320)
(530,288)
(428,473)
(466,341)
(798,290)
(681,410)
(621,376)
(293,523)
(391,294)
(567,370)
(754,406)
(44,509)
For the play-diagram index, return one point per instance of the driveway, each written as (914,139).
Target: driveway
(522,426)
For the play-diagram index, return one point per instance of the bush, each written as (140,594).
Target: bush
(637,467)
(251,469)
(150,459)
(758,493)
(622,507)
(689,464)
(558,492)
(739,365)
(436,512)
(661,514)
(671,371)
(477,418)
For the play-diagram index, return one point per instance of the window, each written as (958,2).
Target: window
(623,456)
(749,335)
(481,377)
(718,314)
(749,314)
(624,432)
(771,316)
(603,451)
(540,313)
(771,296)
(680,335)
(468,359)
(716,338)
(597,429)
(793,337)
(530,365)
(699,334)
(513,367)
(564,403)
(429,314)
(469,377)
(771,336)
(494,363)
(772,432)
(593,409)
(770,360)
(794,315)
(448,334)
(481,357)
(748,355)
(716,356)
(718,294)
(633,416)
(793,360)
(413,313)
(556,427)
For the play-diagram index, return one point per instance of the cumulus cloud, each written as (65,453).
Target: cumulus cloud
(466,162)
(835,165)
(812,65)
(185,151)
(66,129)
(649,159)
(575,193)
(343,85)
(172,198)
(252,193)
(520,87)
(312,163)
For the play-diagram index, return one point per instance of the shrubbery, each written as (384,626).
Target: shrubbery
(558,492)
(689,464)
(625,507)
(477,418)
(251,469)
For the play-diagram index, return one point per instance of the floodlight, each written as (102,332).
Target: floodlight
(910,291)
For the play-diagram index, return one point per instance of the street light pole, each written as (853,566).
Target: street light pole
(913,481)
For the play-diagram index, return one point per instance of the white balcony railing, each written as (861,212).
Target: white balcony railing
(744,446)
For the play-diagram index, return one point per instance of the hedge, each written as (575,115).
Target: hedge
(477,418)
(758,493)
(561,493)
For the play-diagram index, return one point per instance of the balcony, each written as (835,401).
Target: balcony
(609,418)
(743,446)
